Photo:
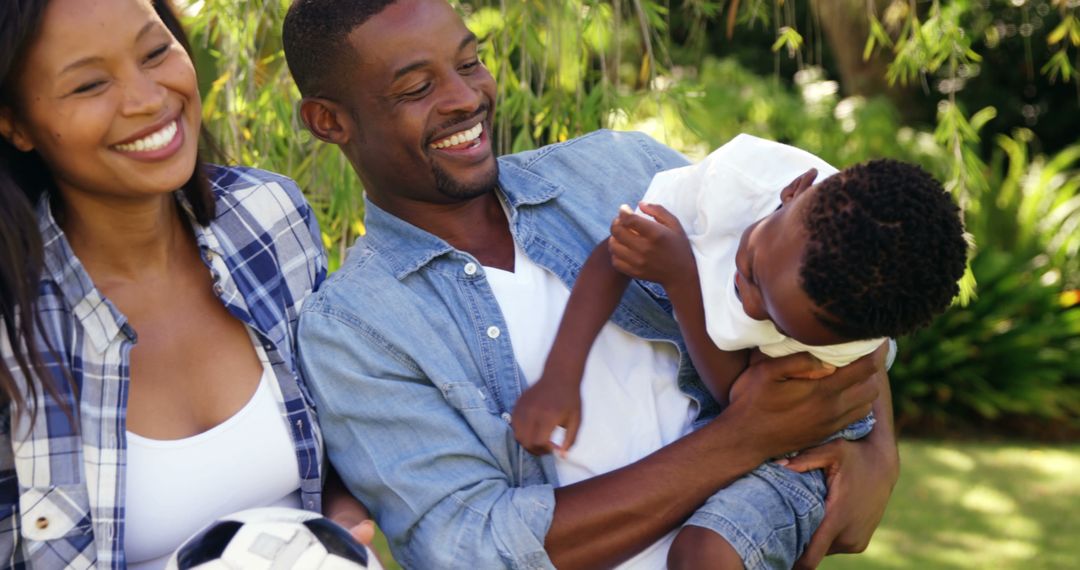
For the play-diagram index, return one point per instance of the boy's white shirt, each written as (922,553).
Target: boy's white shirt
(715,200)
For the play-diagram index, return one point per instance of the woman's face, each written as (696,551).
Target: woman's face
(108,98)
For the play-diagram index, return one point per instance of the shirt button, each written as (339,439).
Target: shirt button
(470,268)
(42,523)
(506,417)
(493,332)
(207,255)
(218,289)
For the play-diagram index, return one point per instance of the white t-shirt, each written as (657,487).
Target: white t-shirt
(176,487)
(716,200)
(631,402)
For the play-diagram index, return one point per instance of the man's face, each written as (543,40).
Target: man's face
(767,278)
(422,104)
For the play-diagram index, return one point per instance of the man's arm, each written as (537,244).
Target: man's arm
(444,500)
(860,477)
(605,520)
(555,399)
(404,447)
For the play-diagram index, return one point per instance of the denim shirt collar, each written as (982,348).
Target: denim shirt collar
(407,248)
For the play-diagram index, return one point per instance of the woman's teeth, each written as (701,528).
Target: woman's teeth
(153,141)
(462,137)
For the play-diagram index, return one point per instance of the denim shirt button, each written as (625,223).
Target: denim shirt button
(506,417)
(493,332)
(470,268)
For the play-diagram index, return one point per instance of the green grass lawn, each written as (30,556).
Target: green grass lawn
(973,505)
(977,505)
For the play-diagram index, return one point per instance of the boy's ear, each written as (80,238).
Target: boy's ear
(798,186)
(11,131)
(327,120)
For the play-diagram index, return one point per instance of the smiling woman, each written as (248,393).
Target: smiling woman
(158,306)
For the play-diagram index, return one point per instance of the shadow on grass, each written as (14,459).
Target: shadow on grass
(973,505)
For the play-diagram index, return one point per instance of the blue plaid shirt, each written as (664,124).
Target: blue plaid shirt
(62,485)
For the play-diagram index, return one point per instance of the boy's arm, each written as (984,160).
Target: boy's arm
(660,251)
(555,399)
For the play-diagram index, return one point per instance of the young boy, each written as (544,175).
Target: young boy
(833,269)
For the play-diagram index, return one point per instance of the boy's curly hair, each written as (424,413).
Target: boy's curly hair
(886,249)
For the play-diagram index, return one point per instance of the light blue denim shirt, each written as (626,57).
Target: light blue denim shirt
(411,366)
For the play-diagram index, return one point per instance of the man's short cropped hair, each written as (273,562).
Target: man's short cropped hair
(315,38)
(885,251)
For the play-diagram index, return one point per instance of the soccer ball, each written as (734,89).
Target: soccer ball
(272,538)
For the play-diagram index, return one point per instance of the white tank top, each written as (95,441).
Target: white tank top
(176,487)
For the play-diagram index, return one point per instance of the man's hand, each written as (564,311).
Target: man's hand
(791,403)
(655,251)
(860,476)
(549,403)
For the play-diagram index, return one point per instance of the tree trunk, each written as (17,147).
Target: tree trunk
(845,27)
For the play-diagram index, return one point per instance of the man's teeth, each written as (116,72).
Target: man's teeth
(153,141)
(462,137)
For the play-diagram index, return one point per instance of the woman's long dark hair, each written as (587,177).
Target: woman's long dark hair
(23,180)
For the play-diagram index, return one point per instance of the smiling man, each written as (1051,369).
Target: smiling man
(417,349)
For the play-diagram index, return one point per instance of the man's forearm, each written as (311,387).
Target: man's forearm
(604,520)
(883,435)
(607,519)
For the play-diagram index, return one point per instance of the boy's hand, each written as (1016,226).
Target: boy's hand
(543,407)
(656,251)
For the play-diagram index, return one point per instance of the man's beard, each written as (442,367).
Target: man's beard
(451,188)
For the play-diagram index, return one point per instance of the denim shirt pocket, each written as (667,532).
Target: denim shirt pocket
(55,512)
(466,396)
(485,418)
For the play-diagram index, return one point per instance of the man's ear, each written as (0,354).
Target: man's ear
(11,131)
(327,120)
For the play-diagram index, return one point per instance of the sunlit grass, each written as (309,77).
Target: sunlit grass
(971,505)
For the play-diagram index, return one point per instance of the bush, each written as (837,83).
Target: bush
(1015,349)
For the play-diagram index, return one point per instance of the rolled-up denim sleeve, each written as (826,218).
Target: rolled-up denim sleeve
(439,494)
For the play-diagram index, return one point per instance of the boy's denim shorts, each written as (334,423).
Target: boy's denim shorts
(769,515)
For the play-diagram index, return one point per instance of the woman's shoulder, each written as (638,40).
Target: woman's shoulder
(260,196)
(225,180)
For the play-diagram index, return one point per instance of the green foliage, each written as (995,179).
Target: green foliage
(563,67)
(1016,348)
(566,67)
(249,102)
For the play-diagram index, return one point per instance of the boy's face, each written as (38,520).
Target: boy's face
(767,272)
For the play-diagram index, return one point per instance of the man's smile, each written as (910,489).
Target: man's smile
(461,139)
